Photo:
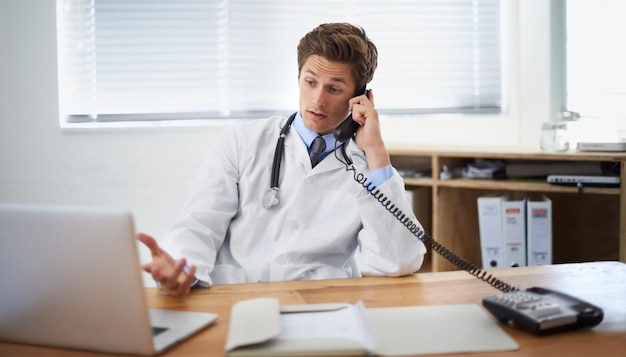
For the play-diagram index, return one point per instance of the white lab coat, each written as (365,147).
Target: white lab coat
(323,217)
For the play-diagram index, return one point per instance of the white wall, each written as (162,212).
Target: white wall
(145,170)
(149,170)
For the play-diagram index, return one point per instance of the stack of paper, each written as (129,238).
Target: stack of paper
(260,327)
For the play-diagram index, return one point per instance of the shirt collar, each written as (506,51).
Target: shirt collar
(307,135)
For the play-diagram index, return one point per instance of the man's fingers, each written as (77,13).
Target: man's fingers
(168,272)
(191,274)
(179,283)
(147,268)
(185,285)
(172,280)
(149,242)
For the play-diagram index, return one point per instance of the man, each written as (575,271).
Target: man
(323,219)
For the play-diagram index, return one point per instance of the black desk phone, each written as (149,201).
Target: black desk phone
(536,310)
(543,311)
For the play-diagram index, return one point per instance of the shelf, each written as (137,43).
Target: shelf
(588,225)
(508,185)
(504,153)
(419,182)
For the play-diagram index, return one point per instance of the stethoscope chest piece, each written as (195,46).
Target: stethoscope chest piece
(270,198)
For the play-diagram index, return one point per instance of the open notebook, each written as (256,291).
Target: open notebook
(72,279)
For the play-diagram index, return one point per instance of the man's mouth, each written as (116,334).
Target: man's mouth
(316,116)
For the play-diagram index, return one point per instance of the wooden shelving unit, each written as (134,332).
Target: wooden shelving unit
(587,226)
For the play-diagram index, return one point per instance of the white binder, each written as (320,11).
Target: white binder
(539,231)
(514,232)
(490,229)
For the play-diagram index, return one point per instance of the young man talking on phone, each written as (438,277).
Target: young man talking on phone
(236,227)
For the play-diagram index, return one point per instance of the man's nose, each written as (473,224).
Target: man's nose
(319,97)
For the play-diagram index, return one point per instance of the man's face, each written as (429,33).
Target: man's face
(325,89)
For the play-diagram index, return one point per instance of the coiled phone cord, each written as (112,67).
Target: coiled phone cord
(420,234)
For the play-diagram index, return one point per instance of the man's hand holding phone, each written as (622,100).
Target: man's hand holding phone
(369,137)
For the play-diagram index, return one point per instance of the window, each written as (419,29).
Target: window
(596,55)
(596,74)
(200,59)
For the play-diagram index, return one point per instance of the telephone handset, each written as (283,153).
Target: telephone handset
(348,127)
(538,310)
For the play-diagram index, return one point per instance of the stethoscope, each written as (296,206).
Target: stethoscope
(270,197)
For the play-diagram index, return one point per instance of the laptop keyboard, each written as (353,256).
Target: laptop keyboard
(158,330)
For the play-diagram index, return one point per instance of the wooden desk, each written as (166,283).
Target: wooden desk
(601,283)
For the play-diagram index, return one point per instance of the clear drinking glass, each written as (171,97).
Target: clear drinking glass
(554,136)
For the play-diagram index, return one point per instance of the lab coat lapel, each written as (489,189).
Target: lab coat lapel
(334,160)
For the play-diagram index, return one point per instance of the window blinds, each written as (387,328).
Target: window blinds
(189,59)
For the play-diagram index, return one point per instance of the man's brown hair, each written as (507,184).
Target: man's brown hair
(344,43)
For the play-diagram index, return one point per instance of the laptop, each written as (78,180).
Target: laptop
(71,278)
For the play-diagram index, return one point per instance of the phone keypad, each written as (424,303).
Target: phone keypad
(542,311)
(529,303)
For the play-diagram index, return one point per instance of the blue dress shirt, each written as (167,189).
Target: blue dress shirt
(376,177)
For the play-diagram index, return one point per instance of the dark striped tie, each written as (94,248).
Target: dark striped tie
(317,147)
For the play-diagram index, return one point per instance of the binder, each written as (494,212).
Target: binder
(514,232)
(490,229)
(539,231)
